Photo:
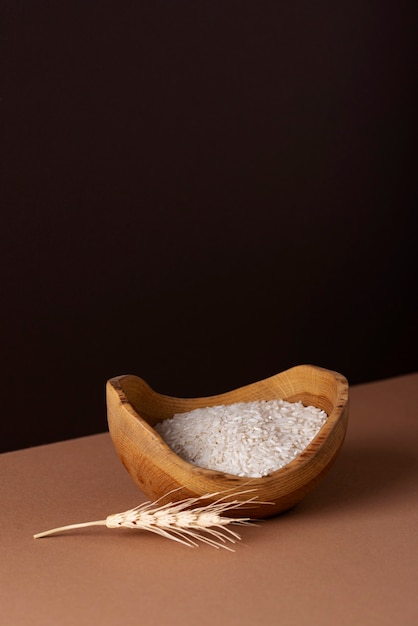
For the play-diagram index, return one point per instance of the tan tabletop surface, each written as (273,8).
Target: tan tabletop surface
(347,555)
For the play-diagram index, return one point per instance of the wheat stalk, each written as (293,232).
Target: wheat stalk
(184,521)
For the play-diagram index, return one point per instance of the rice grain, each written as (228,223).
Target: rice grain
(248,439)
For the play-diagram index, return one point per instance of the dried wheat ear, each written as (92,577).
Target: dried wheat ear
(184,521)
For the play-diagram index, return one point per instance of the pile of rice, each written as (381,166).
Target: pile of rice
(249,439)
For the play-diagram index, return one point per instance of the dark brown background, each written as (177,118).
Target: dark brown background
(201,193)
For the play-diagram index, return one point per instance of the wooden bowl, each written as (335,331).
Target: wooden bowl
(134,408)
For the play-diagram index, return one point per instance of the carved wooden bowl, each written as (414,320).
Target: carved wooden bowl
(134,408)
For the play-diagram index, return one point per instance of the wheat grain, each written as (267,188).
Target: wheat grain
(185,521)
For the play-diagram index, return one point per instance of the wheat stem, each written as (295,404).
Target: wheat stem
(61,529)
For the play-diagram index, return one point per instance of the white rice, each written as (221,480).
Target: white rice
(250,439)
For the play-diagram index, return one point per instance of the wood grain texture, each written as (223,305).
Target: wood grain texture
(134,408)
